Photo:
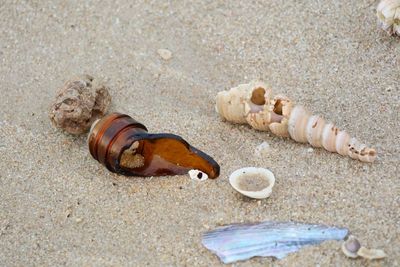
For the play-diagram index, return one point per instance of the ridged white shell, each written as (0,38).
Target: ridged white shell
(253,103)
(253,182)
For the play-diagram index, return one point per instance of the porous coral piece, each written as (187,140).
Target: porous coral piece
(79,103)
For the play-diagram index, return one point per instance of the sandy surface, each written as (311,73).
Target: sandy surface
(58,206)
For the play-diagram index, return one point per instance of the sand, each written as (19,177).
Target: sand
(58,206)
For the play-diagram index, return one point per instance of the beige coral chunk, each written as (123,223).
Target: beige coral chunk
(78,104)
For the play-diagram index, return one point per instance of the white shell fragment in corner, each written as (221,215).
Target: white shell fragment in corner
(253,182)
(198,175)
(388,13)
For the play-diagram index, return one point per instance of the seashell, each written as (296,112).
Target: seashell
(353,249)
(254,104)
(351,246)
(238,242)
(232,105)
(388,13)
(124,146)
(371,254)
(198,175)
(253,182)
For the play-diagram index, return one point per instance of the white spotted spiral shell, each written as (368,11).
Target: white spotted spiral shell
(254,104)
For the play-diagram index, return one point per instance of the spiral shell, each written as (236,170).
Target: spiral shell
(254,104)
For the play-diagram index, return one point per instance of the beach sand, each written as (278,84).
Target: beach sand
(58,206)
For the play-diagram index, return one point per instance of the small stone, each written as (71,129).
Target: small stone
(310,150)
(262,150)
(371,254)
(164,54)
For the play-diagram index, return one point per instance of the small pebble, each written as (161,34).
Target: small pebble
(262,150)
(310,150)
(164,54)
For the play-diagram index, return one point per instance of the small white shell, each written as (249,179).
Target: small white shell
(253,182)
(388,13)
(353,249)
(371,254)
(198,175)
(351,246)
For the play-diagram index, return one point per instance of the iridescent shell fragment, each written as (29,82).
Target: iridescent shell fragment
(276,239)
